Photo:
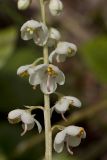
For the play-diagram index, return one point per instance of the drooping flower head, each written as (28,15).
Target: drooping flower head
(55,7)
(27,119)
(23,4)
(54,37)
(63,104)
(62,51)
(71,136)
(35,30)
(47,75)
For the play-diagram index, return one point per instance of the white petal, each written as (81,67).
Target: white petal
(25,129)
(38,75)
(73,130)
(55,7)
(60,78)
(27,118)
(55,34)
(15,116)
(38,125)
(48,89)
(62,48)
(61,58)
(73,101)
(23,69)
(30,126)
(25,35)
(52,56)
(59,141)
(74,141)
(23,4)
(31,24)
(54,37)
(84,135)
(61,106)
(41,35)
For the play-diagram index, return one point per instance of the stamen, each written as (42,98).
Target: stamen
(30,30)
(51,72)
(63,117)
(25,130)
(24,74)
(81,132)
(68,148)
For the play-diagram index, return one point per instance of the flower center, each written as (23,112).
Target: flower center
(69,51)
(30,30)
(81,132)
(51,72)
(24,74)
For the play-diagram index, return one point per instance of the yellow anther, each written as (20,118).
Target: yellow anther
(69,50)
(81,132)
(24,74)
(51,72)
(30,30)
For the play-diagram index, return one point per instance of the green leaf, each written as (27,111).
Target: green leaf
(7,44)
(94,54)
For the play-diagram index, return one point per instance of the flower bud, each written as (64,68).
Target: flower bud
(55,7)
(54,37)
(23,4)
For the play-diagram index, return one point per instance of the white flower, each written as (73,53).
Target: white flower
(27,119)
(62,51)
(54,37)
(47,75)
(71,135)
(35,30)
(26,70)
(63,104)
(23,4)
(55,7)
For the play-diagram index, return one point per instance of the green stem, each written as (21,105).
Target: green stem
(38,60)
(47,116)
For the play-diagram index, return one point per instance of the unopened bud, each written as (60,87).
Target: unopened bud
(55,7)
(23,4)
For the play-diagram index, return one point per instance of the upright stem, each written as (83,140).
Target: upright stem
(47,116)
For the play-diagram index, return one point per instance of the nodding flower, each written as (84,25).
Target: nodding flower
(47,75)
(55,7)
(71,136)
(27,119)
(63,104)
(35,30)
(23,4)
(62,51)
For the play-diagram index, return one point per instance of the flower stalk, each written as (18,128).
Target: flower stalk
(47,113)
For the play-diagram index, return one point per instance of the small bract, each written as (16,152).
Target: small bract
(35,30)
(27,119)
(54,37)
(55,7)
(23,4)
(71,135)
(62,51)
(47,75)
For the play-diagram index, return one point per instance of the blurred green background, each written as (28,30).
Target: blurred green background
(83,23)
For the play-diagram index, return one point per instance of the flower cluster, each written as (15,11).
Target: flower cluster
(48,76)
